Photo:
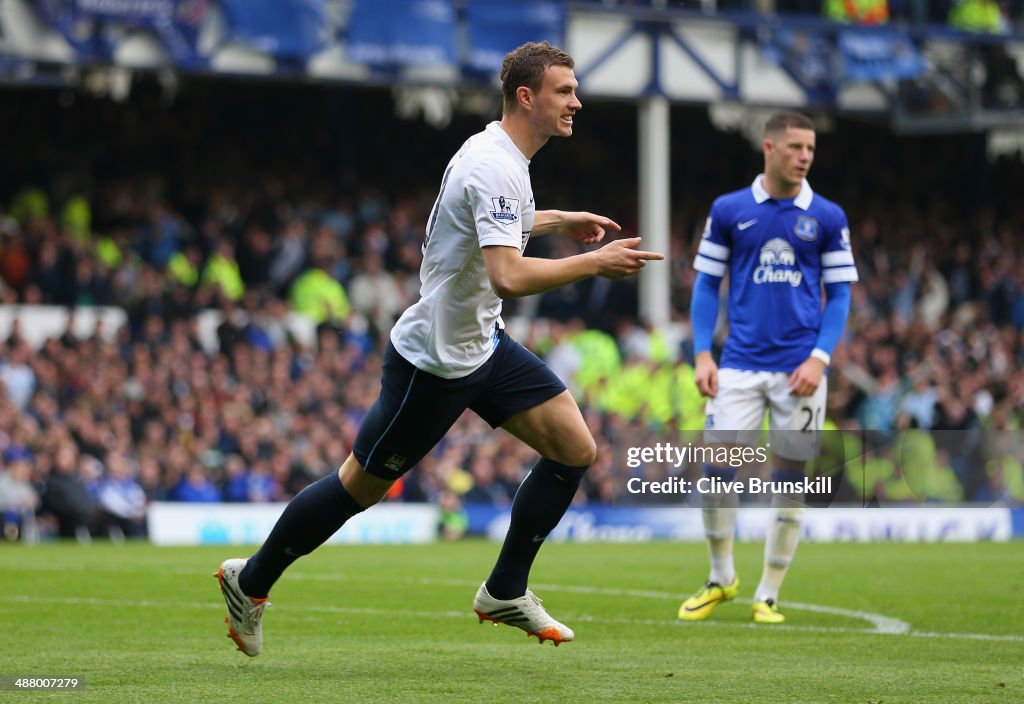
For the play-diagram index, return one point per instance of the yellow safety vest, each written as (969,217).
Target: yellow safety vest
(224,272)
(319,297)
(182,270)
(108,252)
(976,16)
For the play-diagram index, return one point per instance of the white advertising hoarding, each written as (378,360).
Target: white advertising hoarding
(249,524)
(913,525)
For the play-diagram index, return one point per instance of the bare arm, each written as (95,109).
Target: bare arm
(581,226)
(545,222)
(513,275)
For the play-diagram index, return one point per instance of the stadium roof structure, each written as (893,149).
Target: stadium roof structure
(926,78)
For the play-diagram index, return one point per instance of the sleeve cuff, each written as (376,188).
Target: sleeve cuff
(822,355)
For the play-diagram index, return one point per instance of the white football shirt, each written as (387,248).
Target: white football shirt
(485,199)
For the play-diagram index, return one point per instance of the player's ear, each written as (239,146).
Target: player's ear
(524,96)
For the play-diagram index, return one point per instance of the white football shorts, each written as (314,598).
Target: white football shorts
(736,415)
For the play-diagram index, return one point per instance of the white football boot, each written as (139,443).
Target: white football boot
(525,612)
(245,614)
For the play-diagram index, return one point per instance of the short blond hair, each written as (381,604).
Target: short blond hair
(782,121)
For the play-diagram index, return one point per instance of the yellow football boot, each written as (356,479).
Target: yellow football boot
(699,606)
(767,611)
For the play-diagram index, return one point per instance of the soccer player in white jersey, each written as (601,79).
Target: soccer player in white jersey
(780,243)
(449,352)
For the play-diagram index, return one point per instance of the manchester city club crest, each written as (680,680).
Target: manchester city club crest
(806,228)
(395,463)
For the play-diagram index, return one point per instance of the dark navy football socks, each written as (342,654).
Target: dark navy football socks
(308,521)
(538,506)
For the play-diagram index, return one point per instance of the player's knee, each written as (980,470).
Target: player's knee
(580,453)
(793,515)
(367,489)
(572,447)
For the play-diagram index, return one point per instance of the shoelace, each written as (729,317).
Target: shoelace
(541,612)
(707,586)
(255,612)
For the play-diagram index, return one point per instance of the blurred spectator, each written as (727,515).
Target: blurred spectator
(47,278)
(912,11)
(454,520)
(17,377)
(184,266)
(289,255)
(236,480)
(857,11)
(978,16)
(121,499)
(221,272)
(318,296)
(255,256)
(564,358)
(1003,87)
(16,267)
(162,239)
(67,497)
(18,498)
(1005,483)
(919,402)
(486,489)
(374,292)
(196,487)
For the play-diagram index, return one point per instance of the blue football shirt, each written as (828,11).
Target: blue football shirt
(778,253)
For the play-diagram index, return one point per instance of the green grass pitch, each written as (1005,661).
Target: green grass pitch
(866,623)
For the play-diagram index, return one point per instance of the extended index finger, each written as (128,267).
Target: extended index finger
(608,222)
(653,256)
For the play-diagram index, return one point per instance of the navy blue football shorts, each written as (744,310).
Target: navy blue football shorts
(415,408)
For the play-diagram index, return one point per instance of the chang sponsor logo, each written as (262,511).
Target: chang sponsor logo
(777,264)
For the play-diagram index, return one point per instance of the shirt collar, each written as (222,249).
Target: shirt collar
(503,137)
(803,198)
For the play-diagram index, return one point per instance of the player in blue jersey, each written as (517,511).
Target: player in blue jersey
(781,244)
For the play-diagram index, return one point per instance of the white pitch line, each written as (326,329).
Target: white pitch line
(360,611)
(215,605)
(882,624)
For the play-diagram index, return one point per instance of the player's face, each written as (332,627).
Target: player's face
(788,156)
(556,102)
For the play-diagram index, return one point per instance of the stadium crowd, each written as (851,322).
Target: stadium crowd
(92,428)
(979,15)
